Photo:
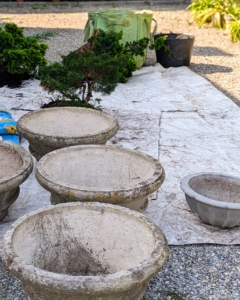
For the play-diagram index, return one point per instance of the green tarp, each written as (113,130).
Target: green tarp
(135,25)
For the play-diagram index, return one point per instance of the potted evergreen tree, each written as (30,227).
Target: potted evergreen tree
(98,66)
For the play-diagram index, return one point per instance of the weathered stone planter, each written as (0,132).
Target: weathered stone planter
(100,173)
(15,166)
(214,197)
(53,128)
(84,251)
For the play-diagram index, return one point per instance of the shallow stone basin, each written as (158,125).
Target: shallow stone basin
(214,197)
(15,166)
(53,128)
(100,173)
(84,251)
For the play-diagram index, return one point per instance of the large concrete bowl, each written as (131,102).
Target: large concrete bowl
(16,165)
(100,173)
(78,251)
(54,128)
(214,197)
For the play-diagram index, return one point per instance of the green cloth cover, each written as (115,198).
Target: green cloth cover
(135,25)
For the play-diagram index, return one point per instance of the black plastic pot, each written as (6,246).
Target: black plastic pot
(181,46)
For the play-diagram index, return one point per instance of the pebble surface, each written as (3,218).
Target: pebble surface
(194,272)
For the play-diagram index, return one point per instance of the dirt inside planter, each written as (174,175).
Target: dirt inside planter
(78,261)
(67,255)
(63,103)
(10,162)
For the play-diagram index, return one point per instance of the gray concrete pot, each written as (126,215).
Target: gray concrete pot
(78,251)
(16,165)
(100,173)
(54,128)
(214,197)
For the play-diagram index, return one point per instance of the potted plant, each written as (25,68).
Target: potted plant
(20,56)
(98,66)
(176,49)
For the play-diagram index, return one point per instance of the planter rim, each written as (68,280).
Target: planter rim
(184,184)
(101,283)
(190,35)
(23,172)
(142,187)
(25,131)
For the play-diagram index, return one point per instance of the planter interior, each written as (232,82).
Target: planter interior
(218,188)
(15,166)
(54,128)
(54,251)
(100,173)
(214,197)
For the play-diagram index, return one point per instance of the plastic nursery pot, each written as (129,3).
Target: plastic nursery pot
(214,197)
(16,165)
(81,251)
(181,46)
(100,173)
(53,128)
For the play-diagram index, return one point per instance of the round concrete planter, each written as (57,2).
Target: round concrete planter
(214,197)
(84,251)
(15,166)
(100,173)
(54,128)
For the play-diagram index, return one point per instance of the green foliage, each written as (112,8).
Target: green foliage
(78,75)
(159,43)
(43,36)
(39,7)
(18,54)
(97,66)
(109,43)
(234,29)
(206,11)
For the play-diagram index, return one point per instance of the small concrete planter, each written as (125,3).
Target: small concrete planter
(214,197)
(84,251)
(54,128)
(15,166)
(100,173)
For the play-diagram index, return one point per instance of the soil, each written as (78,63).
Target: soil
(11,163)
(62,103)
(12,81)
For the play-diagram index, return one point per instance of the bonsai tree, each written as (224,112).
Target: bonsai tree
(98,66)
(20,55)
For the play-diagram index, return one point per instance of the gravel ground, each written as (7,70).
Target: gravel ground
(193,272)
(209,272)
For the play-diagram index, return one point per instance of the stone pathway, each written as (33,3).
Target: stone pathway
(172,114)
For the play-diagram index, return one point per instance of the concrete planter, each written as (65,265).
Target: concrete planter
(53,128)
(214,197)
(84,251)
(100,173)
(15,166)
